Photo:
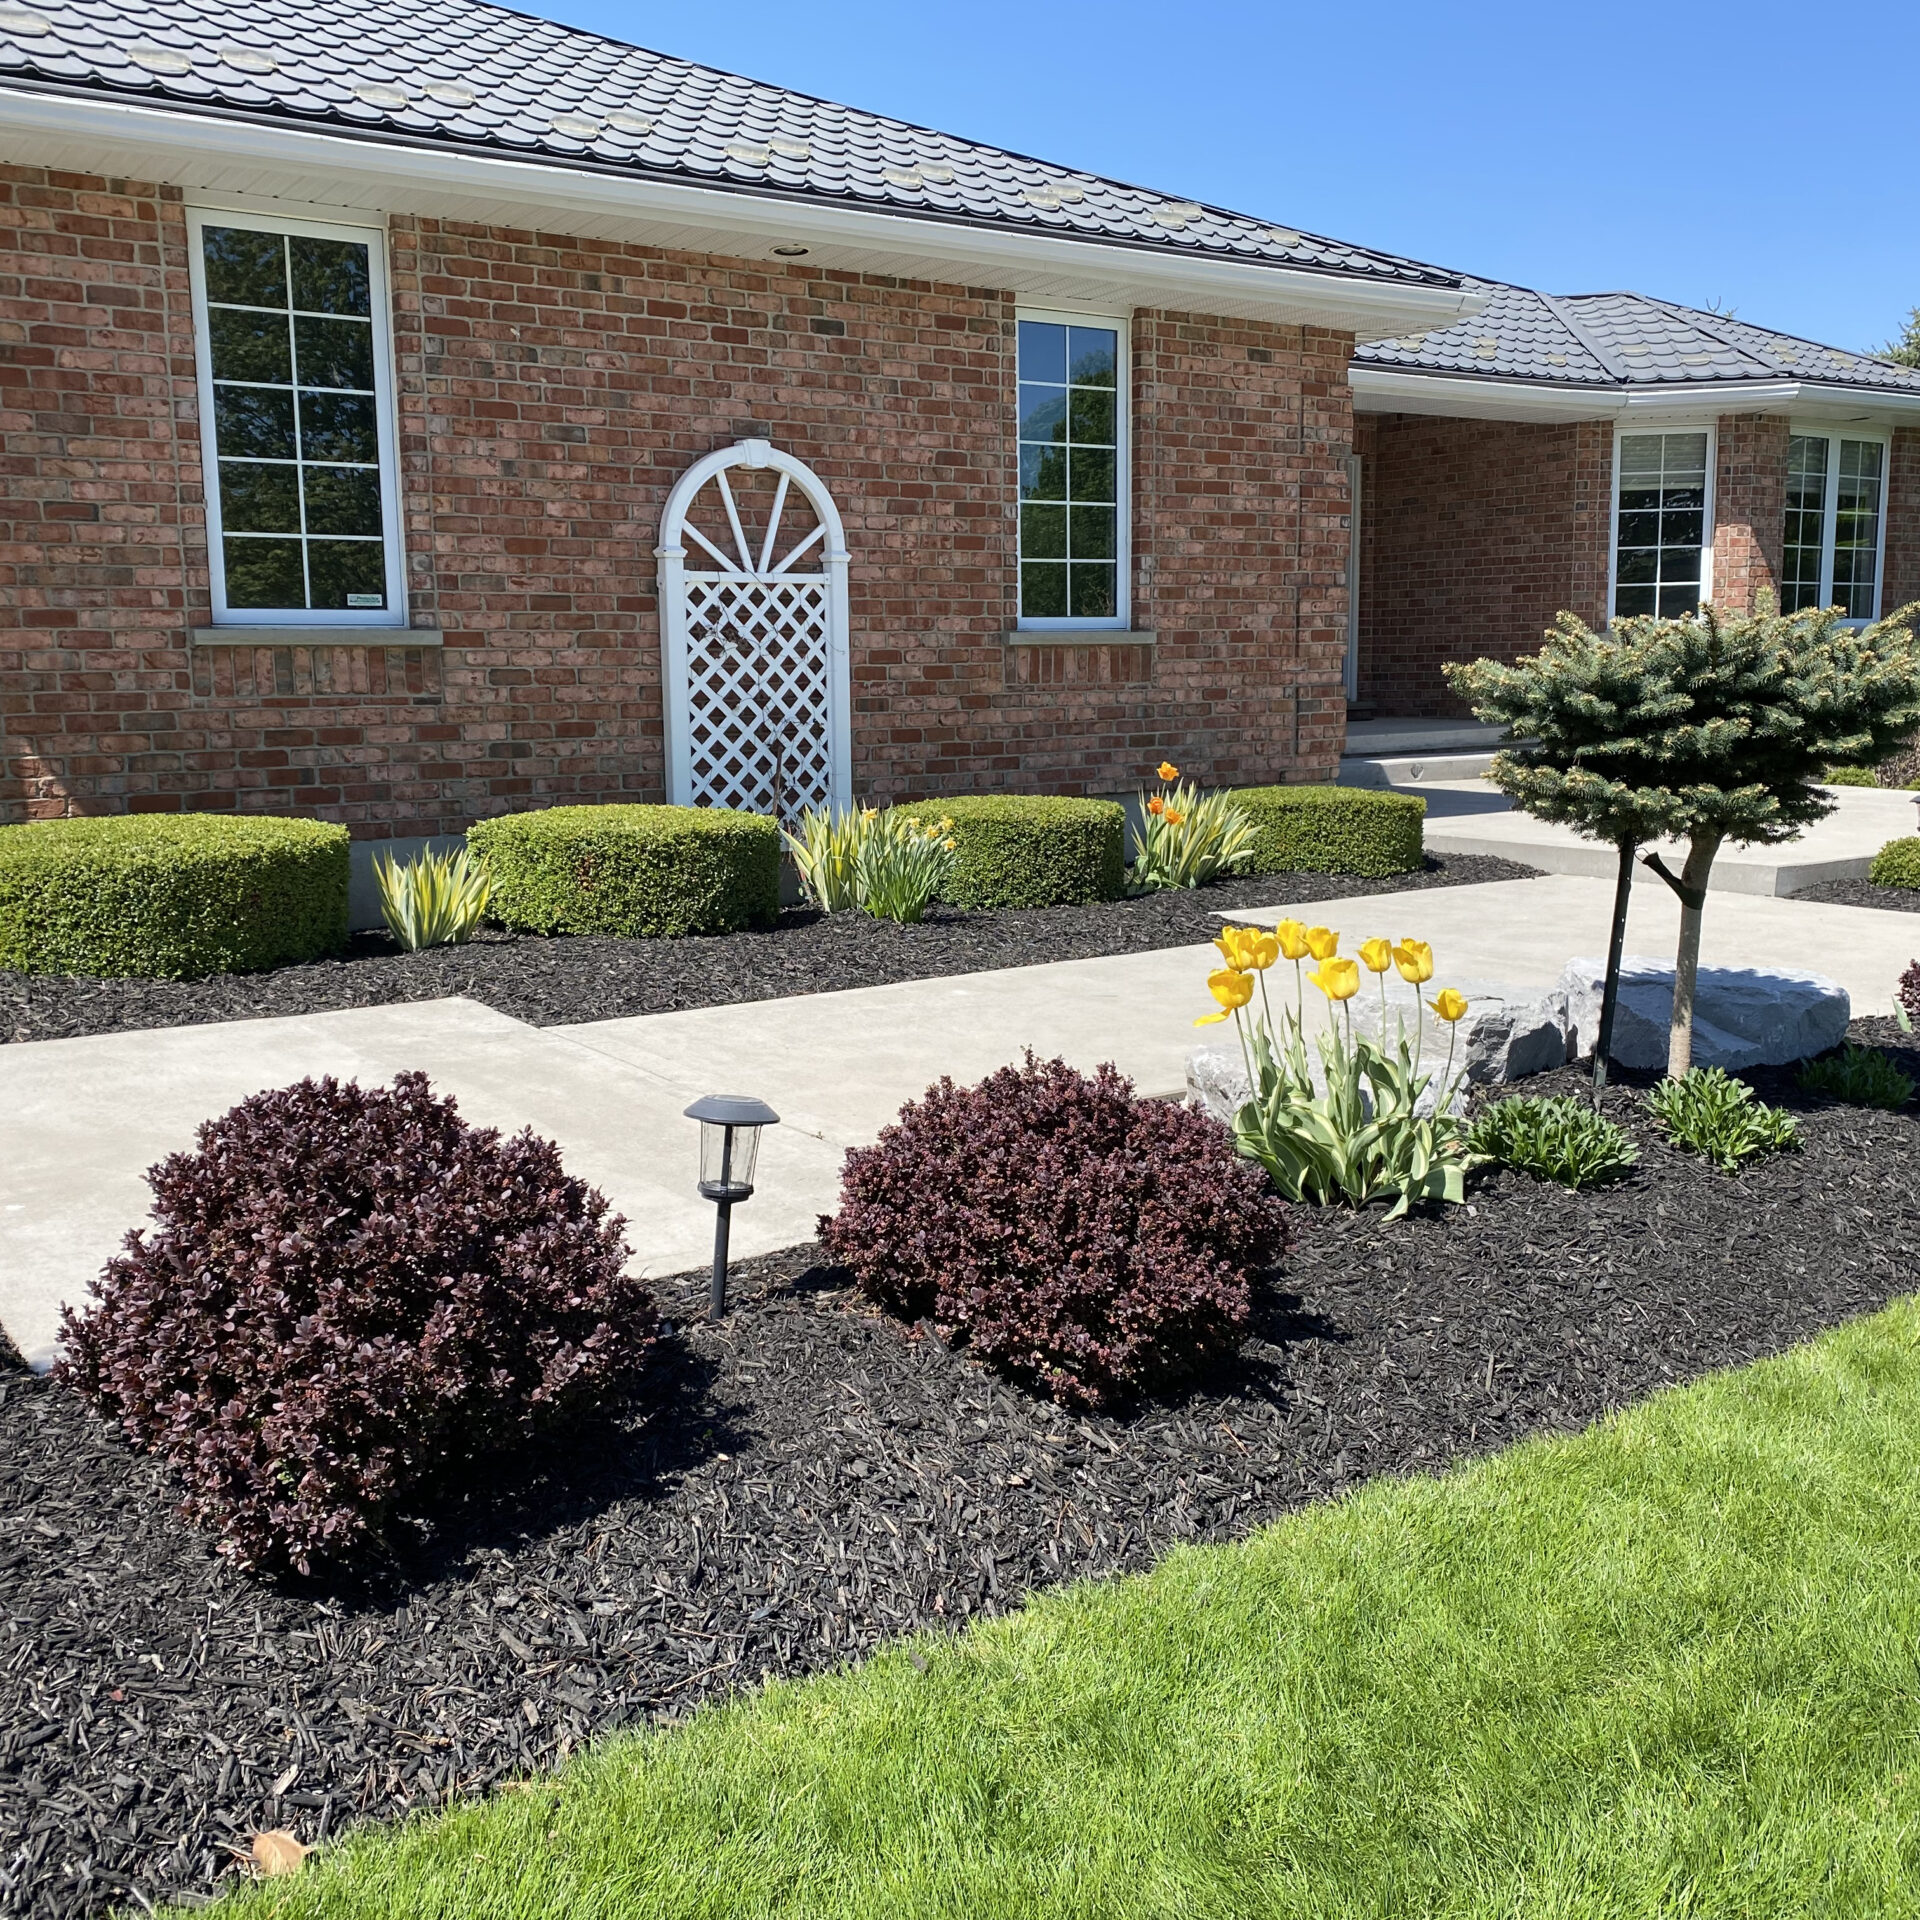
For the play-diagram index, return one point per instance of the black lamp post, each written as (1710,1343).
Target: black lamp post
(729,1143)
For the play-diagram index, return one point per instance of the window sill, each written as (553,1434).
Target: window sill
(1079,637)
(316,637)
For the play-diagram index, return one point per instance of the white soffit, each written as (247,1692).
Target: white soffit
(1381,390)
(300,168)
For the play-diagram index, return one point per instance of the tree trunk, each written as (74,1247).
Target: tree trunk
(1610,992)
(1686,963)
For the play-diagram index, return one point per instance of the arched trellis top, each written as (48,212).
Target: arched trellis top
(753,643)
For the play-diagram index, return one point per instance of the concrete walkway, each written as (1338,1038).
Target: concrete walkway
(1469,816)
(80,1120)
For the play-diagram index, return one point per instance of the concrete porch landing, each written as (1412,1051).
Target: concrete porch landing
(1468,816)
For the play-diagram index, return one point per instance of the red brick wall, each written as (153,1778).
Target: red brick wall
(1474,534)
(1749,507)
(550,392)
(1902,586)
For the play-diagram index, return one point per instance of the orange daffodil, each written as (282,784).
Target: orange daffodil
(1232,989)
(1168,771)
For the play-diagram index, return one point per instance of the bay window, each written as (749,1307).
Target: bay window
(1073,472)
(1833,530)
(290,338)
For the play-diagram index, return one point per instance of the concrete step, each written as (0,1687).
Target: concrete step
(1380,770)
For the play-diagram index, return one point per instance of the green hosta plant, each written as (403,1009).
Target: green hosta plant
(1185,838)
(902,867)
(1716,1116)
(826,849)
(1365,1137)
(434,899)
(1861,1076)
(1559,1139)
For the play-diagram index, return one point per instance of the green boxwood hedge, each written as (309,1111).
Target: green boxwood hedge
(1897,864)
(638,872)
(170,895)
(1362,830)
(1025,850)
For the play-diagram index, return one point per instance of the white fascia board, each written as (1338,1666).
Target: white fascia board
(206,154)
(1398,390)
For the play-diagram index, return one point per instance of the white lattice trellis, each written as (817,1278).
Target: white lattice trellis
(755,649)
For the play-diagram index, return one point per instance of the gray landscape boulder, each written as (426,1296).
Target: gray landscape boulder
(1742,1016)
(1506,1034)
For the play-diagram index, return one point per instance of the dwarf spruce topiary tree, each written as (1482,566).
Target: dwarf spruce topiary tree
(1712,727)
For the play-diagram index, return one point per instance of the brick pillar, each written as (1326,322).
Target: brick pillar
(1749,508)
(1903,521)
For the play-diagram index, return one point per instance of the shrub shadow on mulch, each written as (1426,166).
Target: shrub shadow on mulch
(835,1478)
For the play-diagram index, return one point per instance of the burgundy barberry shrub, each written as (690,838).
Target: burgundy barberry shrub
(1908,993)
(1067,1233)
(349,1299)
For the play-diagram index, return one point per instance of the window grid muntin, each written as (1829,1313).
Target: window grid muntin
(1661,529)
(328,275)
(1848,526)
(1081,516)
(305,398)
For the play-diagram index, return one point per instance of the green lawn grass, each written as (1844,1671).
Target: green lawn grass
(1668,1666)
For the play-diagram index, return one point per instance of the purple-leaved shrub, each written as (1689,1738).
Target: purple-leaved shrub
(349,1300)
(1067,1233)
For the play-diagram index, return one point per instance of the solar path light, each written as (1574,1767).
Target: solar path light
(729,1143)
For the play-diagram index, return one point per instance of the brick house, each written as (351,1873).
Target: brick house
(422,414)
(1061,464)
(1610,454)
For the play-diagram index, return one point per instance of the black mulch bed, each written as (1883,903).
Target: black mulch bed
(820,1478)
(1861,893)
(549,982)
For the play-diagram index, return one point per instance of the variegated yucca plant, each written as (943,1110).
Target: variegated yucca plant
(434,899)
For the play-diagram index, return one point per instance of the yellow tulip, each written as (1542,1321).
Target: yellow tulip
(1414,958)
(1232,988)
(1168,771)
(1449,1004)
(1322,942)
(1292,935)
(1263,950)
(1378,954)
(1337,979)
(1232,942)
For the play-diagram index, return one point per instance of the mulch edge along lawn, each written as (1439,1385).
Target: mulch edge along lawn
(1664,1666)
(549,982)
(821,1480)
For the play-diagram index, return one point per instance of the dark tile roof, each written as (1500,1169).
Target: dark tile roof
(464,74)
(1621,340)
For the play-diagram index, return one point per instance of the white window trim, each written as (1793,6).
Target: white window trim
(394,613)
(1833,432)
(1623,431)
(1122,619)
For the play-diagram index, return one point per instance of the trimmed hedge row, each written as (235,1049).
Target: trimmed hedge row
(1360,830)
(1025,850)
(170,896)
(638,872)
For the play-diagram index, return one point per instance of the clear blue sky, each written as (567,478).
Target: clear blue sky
(1762,157)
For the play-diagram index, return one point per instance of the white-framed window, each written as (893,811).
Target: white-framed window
(1074,492)
(1662,521)
(291,340)
(1836,523)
